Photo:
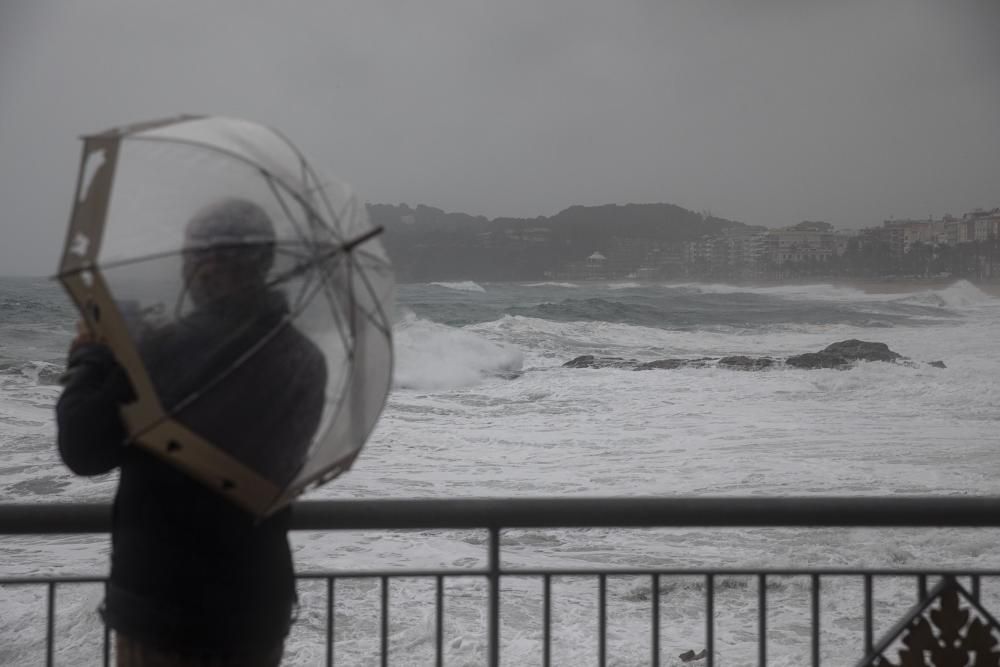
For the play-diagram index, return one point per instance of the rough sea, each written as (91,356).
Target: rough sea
(483,407)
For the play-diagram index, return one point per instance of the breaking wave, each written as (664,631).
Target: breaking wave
(463,286)
(551,284)
(962,294)
(811,291)
(432,356)
(679,310)
(39,372)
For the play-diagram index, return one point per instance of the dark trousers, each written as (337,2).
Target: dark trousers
(131,653)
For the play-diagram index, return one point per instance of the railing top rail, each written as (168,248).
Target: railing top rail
(569,572)
(466,513)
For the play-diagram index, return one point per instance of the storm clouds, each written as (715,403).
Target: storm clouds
(764,111)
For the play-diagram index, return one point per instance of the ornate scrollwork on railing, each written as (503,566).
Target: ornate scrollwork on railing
(947,629)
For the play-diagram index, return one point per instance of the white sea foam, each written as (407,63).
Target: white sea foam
(454,429)
(961,294)
(631,285)
(551,284)
(432,356)
(812,291)
(464,286)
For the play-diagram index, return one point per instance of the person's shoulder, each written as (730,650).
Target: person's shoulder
(307,347)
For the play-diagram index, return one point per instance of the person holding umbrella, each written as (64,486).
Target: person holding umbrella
(195,579)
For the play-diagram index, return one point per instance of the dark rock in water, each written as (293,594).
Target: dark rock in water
(859,350)
(691,656)
(818,360)
(844,354)
(742,363)
(583,361)
(670,364)
(590,361)
(840,355)
(937,364)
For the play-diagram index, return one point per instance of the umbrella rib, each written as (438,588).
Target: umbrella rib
(114,264)
(228,153)
(381,326)
(330,294)
(346,247)
(286,209)
(341,399)
(291,218)
(307,167)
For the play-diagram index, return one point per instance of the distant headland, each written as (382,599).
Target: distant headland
(668,242)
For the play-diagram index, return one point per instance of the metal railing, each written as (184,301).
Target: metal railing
(497,515)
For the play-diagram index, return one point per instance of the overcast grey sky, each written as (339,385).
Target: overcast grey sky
(765,111)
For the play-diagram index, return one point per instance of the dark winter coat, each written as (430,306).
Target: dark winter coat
(190,570)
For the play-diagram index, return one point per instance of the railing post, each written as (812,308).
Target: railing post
(494,596)
(330,611)
(762,620)
(385,621)
(106,656)
(814,594)
(50,625)
(439,622)
(655,639)
(710,620)
(869,634)
(547,620)
(602,620)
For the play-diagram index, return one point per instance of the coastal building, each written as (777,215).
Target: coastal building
(805,242)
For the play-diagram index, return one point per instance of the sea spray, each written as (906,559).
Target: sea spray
(432,356)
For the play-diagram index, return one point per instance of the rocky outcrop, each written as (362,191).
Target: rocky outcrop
(691,656)
(840,355)
(741,363)
(844,354)
(590,361)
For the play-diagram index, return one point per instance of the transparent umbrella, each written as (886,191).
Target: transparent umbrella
(246,296)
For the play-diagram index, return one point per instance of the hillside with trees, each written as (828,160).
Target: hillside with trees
(429,244)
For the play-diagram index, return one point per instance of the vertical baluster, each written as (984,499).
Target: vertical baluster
(547,620)
(602,630)
(494,594)
(975,587)
(106,656)
(815,620)
(762,620)
(655,639)
(869,642)
(921,587)
(385,621)
(330,612)
(50,624)
(439,622)
(710,620)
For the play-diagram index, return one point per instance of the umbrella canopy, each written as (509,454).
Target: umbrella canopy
(246,296)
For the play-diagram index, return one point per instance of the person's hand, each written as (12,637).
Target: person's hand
(84,336)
